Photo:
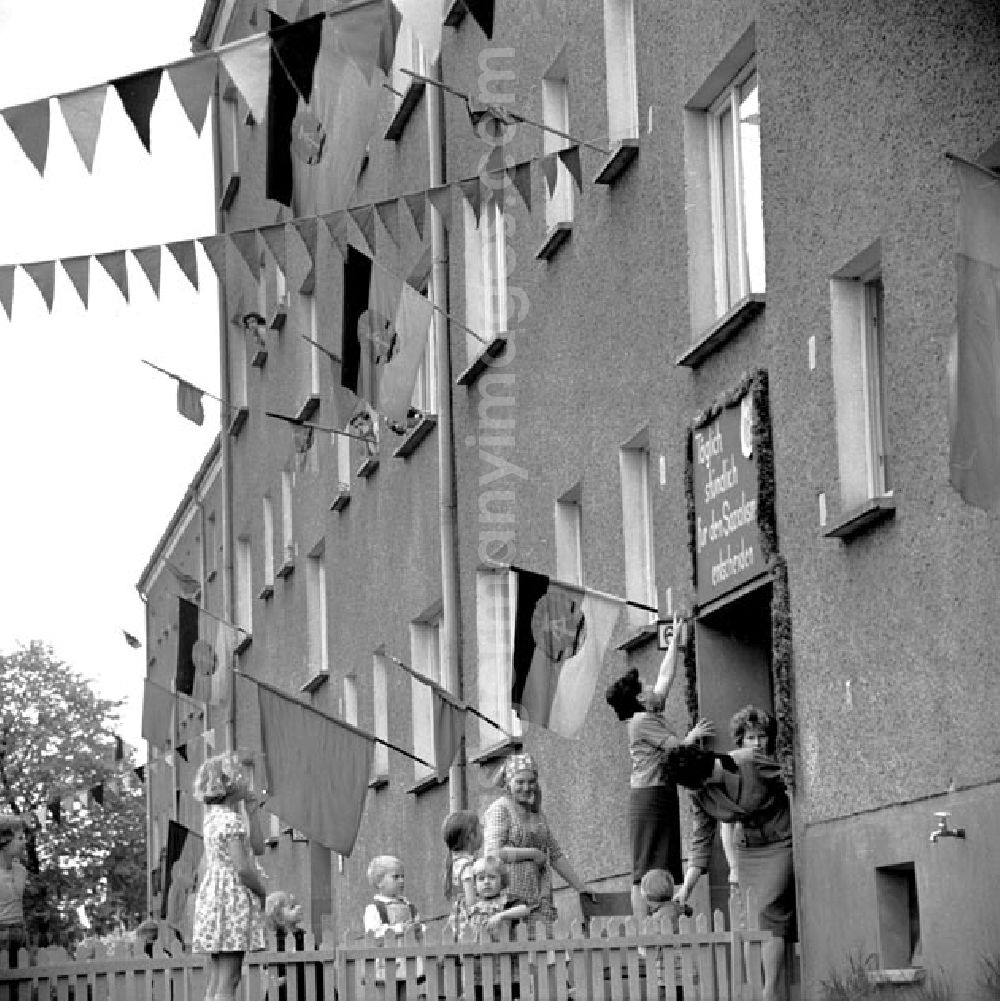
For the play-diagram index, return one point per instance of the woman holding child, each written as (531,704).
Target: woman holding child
(516,831)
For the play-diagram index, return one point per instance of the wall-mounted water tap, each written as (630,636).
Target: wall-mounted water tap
(943,830)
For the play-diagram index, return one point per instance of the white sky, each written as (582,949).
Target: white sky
(94,457)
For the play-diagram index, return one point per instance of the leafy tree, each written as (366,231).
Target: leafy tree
(57,740)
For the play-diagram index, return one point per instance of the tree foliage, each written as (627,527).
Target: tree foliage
(57,745)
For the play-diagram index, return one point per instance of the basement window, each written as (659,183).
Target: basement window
(898,916)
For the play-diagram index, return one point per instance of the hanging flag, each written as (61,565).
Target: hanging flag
(140,772)
(97,794)
(473,193)
(440,199)
(974,365)
(133,641)
(274,238)
(30,125)
(416,203)
(520,177)
(215,250)
(561,633)
(114,264)
(189,403)
(184,254)
(388,213)
(570,156)
(482,14)
(157,714)
(82,111)
(245,241)
(78,271)
(149,261)
(43,274)
(7,288)
(449,728)
(550,171)
(293,59)
(318,769)
(188,583)
(180,877)
(299,258)
(364,216)
(138,95)
(248,64)
(194,81)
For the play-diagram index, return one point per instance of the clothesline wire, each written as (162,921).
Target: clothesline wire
(178,378)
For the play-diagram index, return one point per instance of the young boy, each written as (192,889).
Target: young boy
(657,889)
(391,911)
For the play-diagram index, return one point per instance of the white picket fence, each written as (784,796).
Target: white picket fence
(613,960)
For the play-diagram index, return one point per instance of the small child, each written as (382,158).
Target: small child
(657,889)
(282,912)
(493,905)
(463,834)
(391,911)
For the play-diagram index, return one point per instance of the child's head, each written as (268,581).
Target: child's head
(657,886)
(491,877)
(385,873)
(282,911)
(462,831)
(220,778)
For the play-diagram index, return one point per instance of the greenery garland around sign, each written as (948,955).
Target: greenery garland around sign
(755,383)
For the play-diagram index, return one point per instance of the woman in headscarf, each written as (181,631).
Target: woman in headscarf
(516,830)
(653,817)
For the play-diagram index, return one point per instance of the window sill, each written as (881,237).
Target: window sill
(554,239)
(425,784)
(415,436)
(258,358)
(368,467)
(639,637)
(723,330)
(229,192)
(286,569)
(341,498)
(271,842)
(316,682)
(244,644)
(211,575)
(407,106)
(309,407)
(479,364)
(266,592)
(493,752)
(279,316)
(239,418)
(910,975)
(455,13)
(623,155)
(862,518)
(378,782)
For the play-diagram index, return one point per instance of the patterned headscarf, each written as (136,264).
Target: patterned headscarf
(514,765)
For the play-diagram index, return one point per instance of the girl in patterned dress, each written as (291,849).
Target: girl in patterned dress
(463,834)
(229,906)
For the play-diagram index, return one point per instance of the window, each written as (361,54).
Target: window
(238,375)
(485,273)
(898,916)
(231,120)
(426,637)
(313,354)
(425,387)
(351,699)
(555,114)
(858,359)
(409,56)
(287,525)
(637,528)
(495,642)
(619,62)
(317,640)
(244,583)
(268,512)
(211,547)
(737,216)
(569,537)
(342,448)
(380,695)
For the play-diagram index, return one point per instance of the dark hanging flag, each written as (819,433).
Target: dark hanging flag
(357,284)
(294,49)
(55,811)
(138,95)
(140,772)
(97,794)
(180,873)
(119,748)
(482,14)
(133,641)
(187,637)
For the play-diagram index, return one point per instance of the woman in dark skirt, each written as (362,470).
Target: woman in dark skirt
(654,826)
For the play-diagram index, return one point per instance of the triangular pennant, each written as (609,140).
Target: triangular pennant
(388,212)
(358,35)
(43,274)
(184,254)
(425,21)
(343,232)
(78,271)
(149,261)
(520,178)
(570,156)
(114,264)
(550,171)
(364,216)
(249,66)
(472,192)
(30,125)
(387,41)
(274,238)
(245,241)
(416,204)
(7,288)
(482,14)
(215,250)
(138,95)
(298,258)
(82,111)
(440,199)
(194,82)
